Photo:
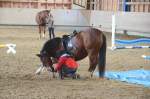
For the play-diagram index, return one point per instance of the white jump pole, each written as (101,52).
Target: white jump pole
(113,33)
(113,45)
(11,48)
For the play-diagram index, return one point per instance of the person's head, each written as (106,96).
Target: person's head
(74,32)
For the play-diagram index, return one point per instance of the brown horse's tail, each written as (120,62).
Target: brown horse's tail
(102,58)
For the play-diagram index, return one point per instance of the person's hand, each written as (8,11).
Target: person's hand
(55,70)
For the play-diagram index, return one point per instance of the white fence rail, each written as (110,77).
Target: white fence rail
(132,22)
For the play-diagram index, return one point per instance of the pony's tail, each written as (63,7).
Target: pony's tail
(102,58)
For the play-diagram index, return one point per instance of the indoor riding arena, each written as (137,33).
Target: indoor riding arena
(125,23)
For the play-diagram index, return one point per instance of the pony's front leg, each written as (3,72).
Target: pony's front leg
(38,71)
(49,69)
(44,29)
(40,29)
(91,74)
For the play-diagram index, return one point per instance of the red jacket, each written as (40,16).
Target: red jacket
(68,61)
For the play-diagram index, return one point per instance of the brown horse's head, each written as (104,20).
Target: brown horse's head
(41,17)
(46,12)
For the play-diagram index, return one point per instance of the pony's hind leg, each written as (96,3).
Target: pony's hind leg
(43,29)
(93,61)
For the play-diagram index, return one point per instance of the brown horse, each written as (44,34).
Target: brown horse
(90,42)
(41,21)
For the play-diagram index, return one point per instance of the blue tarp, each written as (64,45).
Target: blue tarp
(133,76)
(141,40)
(147,57)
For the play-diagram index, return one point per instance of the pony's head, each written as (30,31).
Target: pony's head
(45,59)
(46,62)
(48,52)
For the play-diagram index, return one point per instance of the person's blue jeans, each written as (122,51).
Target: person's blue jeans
(66,71)
(51,32)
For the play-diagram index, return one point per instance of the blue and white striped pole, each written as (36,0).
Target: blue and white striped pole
(131,47)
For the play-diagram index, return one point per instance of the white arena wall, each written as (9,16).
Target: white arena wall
(134,22)
(16,16)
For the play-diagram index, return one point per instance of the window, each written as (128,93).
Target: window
(128,0)
(127,7)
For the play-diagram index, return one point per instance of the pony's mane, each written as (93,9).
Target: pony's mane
(51,45)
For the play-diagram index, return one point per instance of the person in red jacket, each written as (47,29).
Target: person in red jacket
(66,66)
